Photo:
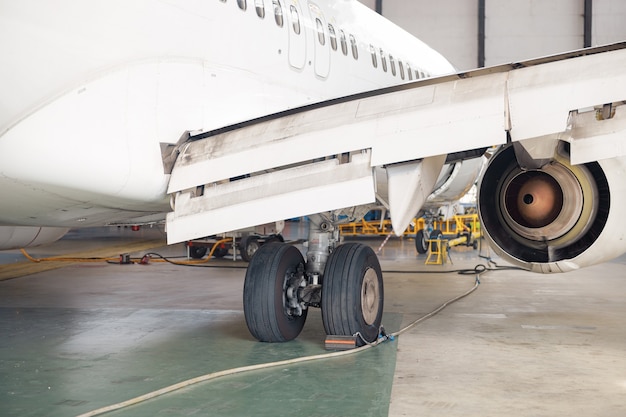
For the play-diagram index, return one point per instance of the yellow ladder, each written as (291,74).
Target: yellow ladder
(437,249)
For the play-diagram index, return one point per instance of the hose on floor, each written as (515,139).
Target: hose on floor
(478,271)
(146,258)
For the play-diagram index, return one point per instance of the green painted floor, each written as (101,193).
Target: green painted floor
(64,362)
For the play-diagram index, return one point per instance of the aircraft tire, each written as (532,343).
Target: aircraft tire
(274,268)
(248,247)
(197,252)
(221,251)
(352,292)
(435,234)
(420,242)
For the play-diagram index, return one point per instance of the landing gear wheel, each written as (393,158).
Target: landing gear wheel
(220,251)
(420,242)
(197,252)
(435,234)
(352,292)
(248,247)
(270,304)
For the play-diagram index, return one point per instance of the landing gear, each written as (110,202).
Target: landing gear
(420,242)
(345,281)
(248,246)
(352,294)
(421,238)
(270,294)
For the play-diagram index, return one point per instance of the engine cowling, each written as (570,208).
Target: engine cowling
(17,237)
(556,218)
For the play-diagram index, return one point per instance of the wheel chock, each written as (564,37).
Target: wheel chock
(336,342)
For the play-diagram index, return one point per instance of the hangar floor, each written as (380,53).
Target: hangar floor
(88,335)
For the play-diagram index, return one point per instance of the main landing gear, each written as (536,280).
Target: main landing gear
(345,281)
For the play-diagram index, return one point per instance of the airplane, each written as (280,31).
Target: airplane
(217,115)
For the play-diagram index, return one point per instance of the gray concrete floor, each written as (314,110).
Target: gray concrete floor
(521,345)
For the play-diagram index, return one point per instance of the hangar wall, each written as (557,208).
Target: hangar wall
(490,32)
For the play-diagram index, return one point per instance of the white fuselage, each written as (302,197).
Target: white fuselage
(92,88)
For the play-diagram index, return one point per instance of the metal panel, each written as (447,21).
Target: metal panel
(593,139)
(293,192)
(541,97)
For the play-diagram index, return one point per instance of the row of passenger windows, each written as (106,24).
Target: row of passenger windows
(405,70)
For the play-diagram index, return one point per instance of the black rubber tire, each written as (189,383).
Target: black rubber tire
(420,242)
(197,252)
(248,246)
(220,251)
(435,234)
(275,238)
(343,288)
(263,293)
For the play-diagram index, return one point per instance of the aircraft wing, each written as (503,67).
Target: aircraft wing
(329,156)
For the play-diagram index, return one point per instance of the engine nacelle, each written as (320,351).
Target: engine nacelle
(555,218)
(17,237)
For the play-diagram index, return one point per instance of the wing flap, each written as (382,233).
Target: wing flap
(284,194)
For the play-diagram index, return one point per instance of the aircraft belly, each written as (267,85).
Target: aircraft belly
(13,237)
(81,160)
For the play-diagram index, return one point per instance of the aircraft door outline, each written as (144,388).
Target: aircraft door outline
(321,41)
(297,35)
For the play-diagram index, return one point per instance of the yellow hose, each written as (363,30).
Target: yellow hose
(74,259)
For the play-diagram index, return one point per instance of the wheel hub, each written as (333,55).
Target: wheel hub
(370,296)
(294,281)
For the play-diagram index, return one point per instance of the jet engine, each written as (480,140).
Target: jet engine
(17,237)
(554,217)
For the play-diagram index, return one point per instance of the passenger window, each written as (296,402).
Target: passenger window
(355,50)
(392,63)
(383,60)
(278,13)
(373,52)
(344,45)
(260,8)
(401,69)
(333,37)
(422,74)
(320,31)
(243,4)
(295,18)
(409,71)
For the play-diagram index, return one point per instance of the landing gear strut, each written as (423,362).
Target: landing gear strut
(344,280)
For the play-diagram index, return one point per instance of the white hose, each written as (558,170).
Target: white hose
(227,372)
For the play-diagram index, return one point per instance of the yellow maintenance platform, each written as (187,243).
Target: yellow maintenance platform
(456,225)
(465,227)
